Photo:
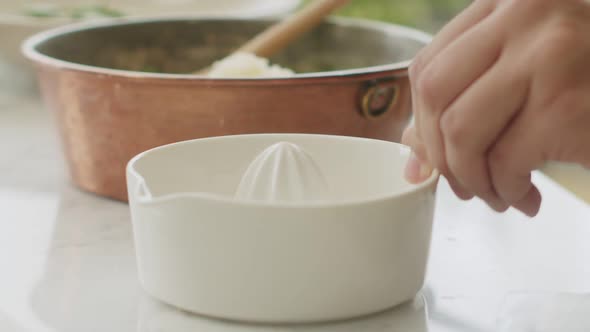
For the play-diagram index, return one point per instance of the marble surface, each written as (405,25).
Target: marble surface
(67,259)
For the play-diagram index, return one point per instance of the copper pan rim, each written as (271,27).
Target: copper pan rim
(29,49)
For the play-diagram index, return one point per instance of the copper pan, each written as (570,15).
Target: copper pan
(98,81)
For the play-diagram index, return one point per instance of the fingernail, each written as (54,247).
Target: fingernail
(417,171)
(532,211)
(498,205)
(531,204)
(459,191)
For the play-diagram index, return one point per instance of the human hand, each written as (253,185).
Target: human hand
(502,89)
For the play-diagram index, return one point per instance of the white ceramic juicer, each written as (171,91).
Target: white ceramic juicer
(280,227)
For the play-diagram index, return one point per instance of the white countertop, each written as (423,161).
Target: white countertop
(67,261)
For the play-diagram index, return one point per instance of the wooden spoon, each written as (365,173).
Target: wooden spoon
(281,34)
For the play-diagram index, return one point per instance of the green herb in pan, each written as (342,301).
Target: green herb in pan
(151,69)
(80,12)
(94,11)
(42,11)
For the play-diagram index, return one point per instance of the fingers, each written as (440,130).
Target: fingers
(445,78)
(473,14)
(411,139)
(531,203)
(512,159)
(458,70)
(418,169)
(469,132)
(490,103)
(458,66)
(469,17)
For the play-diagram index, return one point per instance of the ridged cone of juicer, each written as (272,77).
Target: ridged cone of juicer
(283,172)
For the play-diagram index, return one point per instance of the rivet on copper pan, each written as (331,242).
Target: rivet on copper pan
(379,98)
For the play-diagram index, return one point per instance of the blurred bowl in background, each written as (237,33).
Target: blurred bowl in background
(21,19)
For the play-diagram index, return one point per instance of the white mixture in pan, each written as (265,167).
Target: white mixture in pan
(247,65)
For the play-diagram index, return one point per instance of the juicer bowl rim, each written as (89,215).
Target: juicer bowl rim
(428,184)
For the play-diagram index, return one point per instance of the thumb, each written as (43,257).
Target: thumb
(417,169)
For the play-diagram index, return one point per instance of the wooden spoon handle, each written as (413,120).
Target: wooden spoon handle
(280,35)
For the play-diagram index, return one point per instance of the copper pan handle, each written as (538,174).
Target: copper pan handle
(378,97)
